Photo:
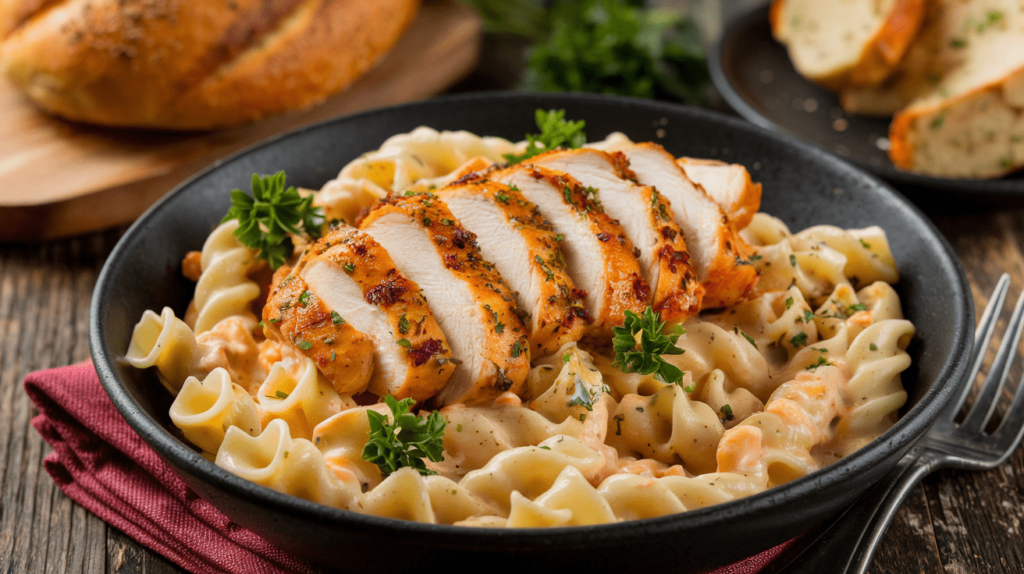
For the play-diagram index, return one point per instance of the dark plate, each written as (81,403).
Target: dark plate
(754,74)
(802,185)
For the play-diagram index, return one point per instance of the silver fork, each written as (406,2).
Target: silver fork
(849,543)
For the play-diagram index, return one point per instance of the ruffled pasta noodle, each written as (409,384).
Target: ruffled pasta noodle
(303,400)
(423,157)
(224,288)
(291,465)
(205,409)
(167,343)
(803,372)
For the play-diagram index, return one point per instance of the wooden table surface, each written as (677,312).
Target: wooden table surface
(956,522)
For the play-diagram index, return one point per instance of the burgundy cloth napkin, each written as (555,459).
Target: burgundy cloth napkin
(101,463)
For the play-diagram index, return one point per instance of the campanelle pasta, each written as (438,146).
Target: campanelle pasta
(803,371)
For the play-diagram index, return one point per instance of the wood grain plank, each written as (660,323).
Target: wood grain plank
(976,515)
(125,556)
(44,305)
(909,545)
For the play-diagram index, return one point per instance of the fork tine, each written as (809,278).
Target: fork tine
(985,404)
(1011,429)
(983,336)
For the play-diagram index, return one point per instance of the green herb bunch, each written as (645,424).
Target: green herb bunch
(406,441)
(605,46)
(272,212)
(644,356)
(555,132)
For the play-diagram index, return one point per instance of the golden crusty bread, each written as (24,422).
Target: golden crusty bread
(187,64)
(845,44)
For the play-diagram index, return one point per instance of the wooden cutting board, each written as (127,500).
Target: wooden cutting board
(58,178)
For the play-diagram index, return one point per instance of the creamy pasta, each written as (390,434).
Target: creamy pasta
(804,370)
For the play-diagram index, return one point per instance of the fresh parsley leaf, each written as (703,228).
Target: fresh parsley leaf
(643,354)
(272,212)
(555,132)
(727,411)
(749,339)
(580,395)
(821,362)
(406,441)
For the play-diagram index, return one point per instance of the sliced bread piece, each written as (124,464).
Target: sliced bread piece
(840,44)
(962,47)
(969,121)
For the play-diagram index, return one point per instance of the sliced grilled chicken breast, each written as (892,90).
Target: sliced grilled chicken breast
(473,305)
(512,233)
(729,184)
(647,219)
(294,317)
(346,282)
(598,254)
(721,256)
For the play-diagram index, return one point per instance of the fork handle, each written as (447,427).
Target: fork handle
(849,543)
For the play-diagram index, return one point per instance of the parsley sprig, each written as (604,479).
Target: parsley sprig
(272,212)
(606,46)
(406,441)
(555,132)
(645,356)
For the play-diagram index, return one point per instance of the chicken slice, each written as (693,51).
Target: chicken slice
(598,254)
(647,219)
(475,308)
(344,301)
(720,255)
(729,184)
(512,233)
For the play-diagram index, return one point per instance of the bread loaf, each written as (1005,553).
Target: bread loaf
(191,64)
(844,44)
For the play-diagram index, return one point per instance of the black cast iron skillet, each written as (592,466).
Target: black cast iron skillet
(754,74)
(802,184)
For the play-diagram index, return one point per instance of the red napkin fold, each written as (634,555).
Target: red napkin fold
(101,463)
